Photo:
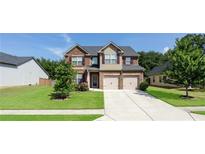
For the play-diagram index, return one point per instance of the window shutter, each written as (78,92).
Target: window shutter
(70,60)
(131,60)
(118,58)
(103,59)
(83,60)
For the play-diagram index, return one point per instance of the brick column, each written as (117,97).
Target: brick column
(88,79)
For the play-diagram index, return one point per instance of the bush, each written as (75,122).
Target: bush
(144,85)
(64,82)
(59,95)
(83,86)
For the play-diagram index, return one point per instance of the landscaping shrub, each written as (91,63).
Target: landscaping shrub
(64,83)
(83,86)
(144,85)
(59,95)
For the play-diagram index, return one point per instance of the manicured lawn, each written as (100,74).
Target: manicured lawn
(172,96)
(48,117)
(199,112)
(37,97)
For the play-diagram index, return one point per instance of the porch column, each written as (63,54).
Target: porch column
(88,79)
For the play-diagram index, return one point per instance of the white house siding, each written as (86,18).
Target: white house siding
(25,74)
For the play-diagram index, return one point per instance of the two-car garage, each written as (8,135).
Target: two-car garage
(113,82)
(130,83)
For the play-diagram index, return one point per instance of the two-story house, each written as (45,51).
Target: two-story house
(106,67)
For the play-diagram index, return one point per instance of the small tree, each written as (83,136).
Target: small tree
(188,60)
(64,75)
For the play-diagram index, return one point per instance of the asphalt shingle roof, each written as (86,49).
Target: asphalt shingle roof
(13,60)
(133,67)
(128,51)
(160,69)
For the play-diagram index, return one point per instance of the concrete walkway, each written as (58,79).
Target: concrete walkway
(123,105)
(51,112)
(193,108)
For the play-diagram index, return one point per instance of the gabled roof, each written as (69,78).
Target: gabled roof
(77,45)
(17,61)
(93,50)
(160,69)
(13,60)
(111,43)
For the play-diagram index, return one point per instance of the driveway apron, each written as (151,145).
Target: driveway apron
(122,105)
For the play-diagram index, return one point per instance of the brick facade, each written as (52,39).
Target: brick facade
(104,69)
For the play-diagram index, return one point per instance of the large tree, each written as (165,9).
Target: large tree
(188,60)
(150,59)
(49,66)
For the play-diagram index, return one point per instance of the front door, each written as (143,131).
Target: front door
(94,80)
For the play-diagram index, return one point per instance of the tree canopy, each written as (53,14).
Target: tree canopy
(150,59)
(188,60)
(49,66)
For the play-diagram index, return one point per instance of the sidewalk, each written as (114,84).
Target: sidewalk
(193,108)
(51,112)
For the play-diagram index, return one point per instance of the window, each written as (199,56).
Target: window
(153,79)
(94,60)
(77,60)
(79,78)
(160,79)
(110,58)
(127,60)
(164,79)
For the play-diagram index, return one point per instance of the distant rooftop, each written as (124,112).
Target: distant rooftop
(159,69)
(13,60)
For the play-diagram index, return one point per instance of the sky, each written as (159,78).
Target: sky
(53,45)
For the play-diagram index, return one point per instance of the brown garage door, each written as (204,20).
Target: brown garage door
(111,82)
(130,83)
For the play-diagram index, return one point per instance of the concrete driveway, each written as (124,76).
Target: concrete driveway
(121,105)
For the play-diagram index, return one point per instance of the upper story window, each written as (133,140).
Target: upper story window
(77,60)
(127,60)
(110,58)
(94,60)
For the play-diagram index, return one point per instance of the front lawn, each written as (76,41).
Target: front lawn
(37,97)
(199,112)
(49,117)
(172,96)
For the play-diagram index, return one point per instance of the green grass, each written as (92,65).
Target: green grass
(49,117)
(37,97)
(172,96)
(199,112)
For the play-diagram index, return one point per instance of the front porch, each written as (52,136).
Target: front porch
(93,80)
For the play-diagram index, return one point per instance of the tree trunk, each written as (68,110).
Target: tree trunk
(187,92)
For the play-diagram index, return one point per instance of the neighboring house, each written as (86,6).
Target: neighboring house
(106,67)
(157,76)
(15,71)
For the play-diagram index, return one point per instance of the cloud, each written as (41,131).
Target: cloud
(67,38)
(165,49)
(57,51)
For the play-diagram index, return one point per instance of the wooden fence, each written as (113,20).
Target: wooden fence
(45,82)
